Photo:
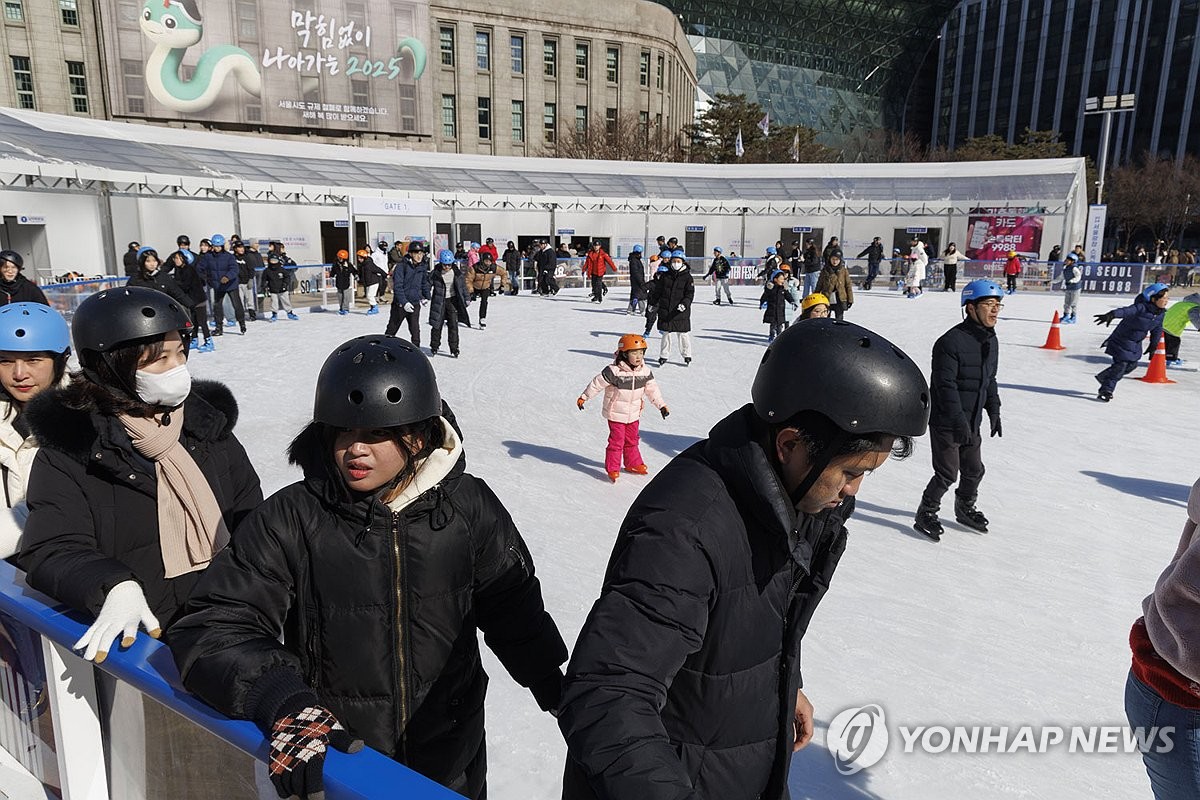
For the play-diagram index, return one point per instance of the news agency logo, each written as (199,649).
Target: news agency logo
(858,738)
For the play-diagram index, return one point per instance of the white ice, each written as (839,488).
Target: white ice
(1027,625)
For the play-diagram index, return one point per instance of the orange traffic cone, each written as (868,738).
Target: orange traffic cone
(1157,372)
(1054,338)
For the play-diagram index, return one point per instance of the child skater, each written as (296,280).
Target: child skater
(627,383)
(773,302)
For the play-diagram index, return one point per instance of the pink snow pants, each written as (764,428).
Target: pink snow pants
(622,440)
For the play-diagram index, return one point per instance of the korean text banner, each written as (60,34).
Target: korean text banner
(994,232)
(322,65)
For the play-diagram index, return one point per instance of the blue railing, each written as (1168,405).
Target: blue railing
(149,668)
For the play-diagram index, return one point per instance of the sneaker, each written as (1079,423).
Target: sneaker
(967,514)
(292,315)
(612,476)
(927,523)
(640,469)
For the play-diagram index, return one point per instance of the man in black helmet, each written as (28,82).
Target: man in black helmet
(685,680)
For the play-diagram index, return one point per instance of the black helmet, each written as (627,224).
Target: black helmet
(14,257)
(116,316)
(376,382)
(862,382)
(416,247)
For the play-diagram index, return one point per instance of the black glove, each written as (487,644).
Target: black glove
(666,412)
(996,429)
(1105,318)
(548,693)
(299,741)
(961,432)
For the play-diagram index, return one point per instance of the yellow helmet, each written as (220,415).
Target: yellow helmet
(814,299)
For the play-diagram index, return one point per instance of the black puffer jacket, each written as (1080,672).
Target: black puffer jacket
(21,290)
(963,380)
(379,612)
(93,501)
(162,282)
(674,288)
(438,299)
(683,681)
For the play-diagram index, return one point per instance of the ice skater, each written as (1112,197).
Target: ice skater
(773,303)
(627,383)
(1072,278)
(637,280)
(719,272)
(673,294)
(277,279)
(1144,316)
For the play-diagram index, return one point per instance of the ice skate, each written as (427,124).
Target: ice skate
(967,514)
(927,523)
(640,469)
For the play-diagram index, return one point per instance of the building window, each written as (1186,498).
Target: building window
(408,107)
(548,122)
(658,122)
(253,112)
(483,50)
(644,123)
(360,95)
(134,85)
(518,121)
(129,13)
(485,117)
(23,73)
(581,120)
(449,117)
(516,45)
(13,11)
(644,69)
(581,61)
(78,83)
(610,123)
(550,58)
(612,64)
(446,46)
(247,20)
(658,81)
(69,12)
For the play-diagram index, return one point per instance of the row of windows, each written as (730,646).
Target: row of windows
(483,108)
(23,78)
(68,11)
(516,50)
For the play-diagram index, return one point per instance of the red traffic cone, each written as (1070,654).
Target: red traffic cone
(1157,372)
(1054,338)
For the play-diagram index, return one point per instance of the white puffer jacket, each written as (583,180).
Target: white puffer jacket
(625,391)
(16,459)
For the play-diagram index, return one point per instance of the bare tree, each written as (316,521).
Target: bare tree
(624,139)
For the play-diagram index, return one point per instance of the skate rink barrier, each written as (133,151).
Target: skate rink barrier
(128,730)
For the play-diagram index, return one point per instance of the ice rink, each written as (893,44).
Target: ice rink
(1025,626)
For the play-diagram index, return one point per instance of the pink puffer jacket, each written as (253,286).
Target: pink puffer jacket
(625,391)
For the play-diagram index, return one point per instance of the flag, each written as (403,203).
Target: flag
(738,149)
(764,124)
(796,146)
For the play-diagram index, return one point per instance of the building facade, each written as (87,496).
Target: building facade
(1008,65)
(503,79)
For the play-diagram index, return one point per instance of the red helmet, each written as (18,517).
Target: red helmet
(631,341)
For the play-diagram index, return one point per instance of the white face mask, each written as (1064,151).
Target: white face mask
(168,389)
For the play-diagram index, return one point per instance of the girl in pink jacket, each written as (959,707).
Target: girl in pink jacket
(627,383)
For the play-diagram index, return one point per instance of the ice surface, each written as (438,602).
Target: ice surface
(1026,625)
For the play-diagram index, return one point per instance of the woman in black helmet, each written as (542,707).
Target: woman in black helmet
(685,680)
(379,567)
(14,286)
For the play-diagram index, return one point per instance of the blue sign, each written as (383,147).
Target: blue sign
(916,230)
(566,231)
(801,229)
(694,229)
(341,223)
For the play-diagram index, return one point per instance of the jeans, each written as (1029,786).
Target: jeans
(345,298)
(622,442)
(810,282)
(1174,775)
(722,283)
(1108,378)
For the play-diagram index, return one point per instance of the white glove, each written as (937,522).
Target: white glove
(681,307)
(124,609)
(409,307)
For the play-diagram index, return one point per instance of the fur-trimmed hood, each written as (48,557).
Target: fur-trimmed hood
(210,412)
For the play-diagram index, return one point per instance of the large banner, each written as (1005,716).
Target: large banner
(318,64)
(993,232)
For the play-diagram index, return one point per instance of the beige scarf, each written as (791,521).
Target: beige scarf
(190,526)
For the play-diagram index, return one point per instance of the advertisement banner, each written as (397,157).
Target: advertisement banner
(319,64)
(1094,244)
(993,232)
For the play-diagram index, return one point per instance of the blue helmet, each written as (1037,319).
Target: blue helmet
(217,240)
(33,328)
(188,256)
(1153,289)
(637,248)
(445,257)
(771,251)
(143,250)
(678,254)
(775,273)
(718,250)
(980,289)
(1073,256)
(664,253)
(663,268)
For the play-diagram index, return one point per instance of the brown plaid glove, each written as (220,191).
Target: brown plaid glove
(298,744)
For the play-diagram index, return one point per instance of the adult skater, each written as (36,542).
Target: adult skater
(950,259)
(672,294)
(835,284)
(546,264)
(963,387)
(1163,687)
(812,267)
(595,266)
(512,262)
(150,274)
(410,291)
(390,558)
(874,255)
(447,303)
(719,272)
(1124,345)
(685,680)
(222,273)
(637,280)
(918,262)
(184,272)
(14,286)
(482,280)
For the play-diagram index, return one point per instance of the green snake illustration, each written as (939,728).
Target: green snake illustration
(174,26)
(416,51)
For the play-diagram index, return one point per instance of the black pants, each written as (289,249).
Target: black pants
(398,316)
(651,316)
(547,283)
(951,277)
(483,295)
(598,288)
(839,310)
(949,460)
(1172,342)
(200,322)
(1012,282)
(1108,378)
(239,311)
(450,320)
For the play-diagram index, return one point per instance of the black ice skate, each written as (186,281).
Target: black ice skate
(927,522)
(967,514)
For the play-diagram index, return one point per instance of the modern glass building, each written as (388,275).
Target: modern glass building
(1008,65)
(843,67)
